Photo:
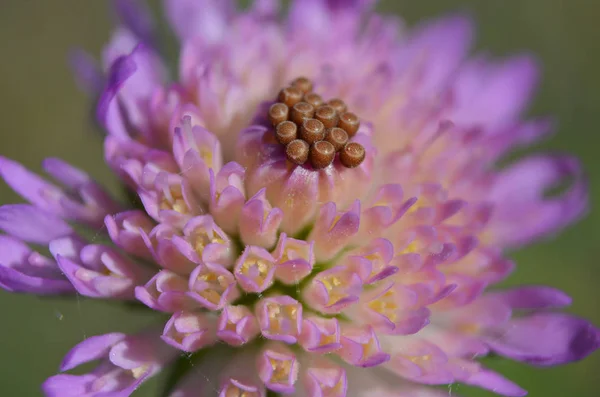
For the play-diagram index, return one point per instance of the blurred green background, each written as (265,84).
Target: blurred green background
(43,114)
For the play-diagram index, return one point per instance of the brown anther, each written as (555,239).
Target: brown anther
(322,154)
(278,112)
(327,115)
(337,137)
(312,131)
(303,84)
(297,151)
(352,155)
(290,96)
(350,123)
(313,99)
(338,105)
(302,111)
(285,132)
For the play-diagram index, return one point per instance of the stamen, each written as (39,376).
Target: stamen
(314,99)
(339,105)
(315,130)
(278,112)
(312,131)
(303,84)
(337,137)
(290,96)
(352,155)
(349,122)
(302,111)
(286,132)
(297,151)
(327,115)
(322,154)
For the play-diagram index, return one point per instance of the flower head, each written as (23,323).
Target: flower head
(319,207)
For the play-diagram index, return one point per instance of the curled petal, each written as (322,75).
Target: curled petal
(334,230)
(125,230)
(31,224)
(323,379)
(320,335)
(24,270)
(333,290)
(237,325)
(523,212)
(189,331)
(166,292)
(280,318)
(295,259)
(227,196)
(254,269)
(259,222)
(278,369)
(545,339)
(360,347)
(212,286)
(394,309)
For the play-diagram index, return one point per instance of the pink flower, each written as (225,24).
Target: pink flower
(320,209)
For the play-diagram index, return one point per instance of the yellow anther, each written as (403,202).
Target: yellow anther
(139,371)
(235,391)
(207,156)
(256,265)
(410,248)
(217,285)
(335,221)
(281,370)
(327,339)
(175,202)
(331,283)
(385,305)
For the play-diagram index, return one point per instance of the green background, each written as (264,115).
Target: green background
(43,114)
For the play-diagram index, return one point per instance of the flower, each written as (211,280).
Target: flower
(319,209)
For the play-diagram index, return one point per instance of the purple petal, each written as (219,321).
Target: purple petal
(494,95)
(133,78)
(93,348)
(523,212)
(492,381)
(135,15)
(207,19)
(27,184)
(353,5)
(65,385)
(546,339)
(65,172)
(15,281)
(71,269)
(109,114)
(31,224)
(13,252)
(444,43)
(534,297)
(87,73)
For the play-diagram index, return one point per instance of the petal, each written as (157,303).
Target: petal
(27,184)
(436,49)
(15,281)
(534,297)
(135,15)
(93,348)
(206,19)
(32,224)
(66,385)
(546,339)
(498,384)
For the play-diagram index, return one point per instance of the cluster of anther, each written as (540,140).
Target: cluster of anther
(314,130)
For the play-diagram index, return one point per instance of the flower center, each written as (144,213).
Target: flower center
(315,130)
